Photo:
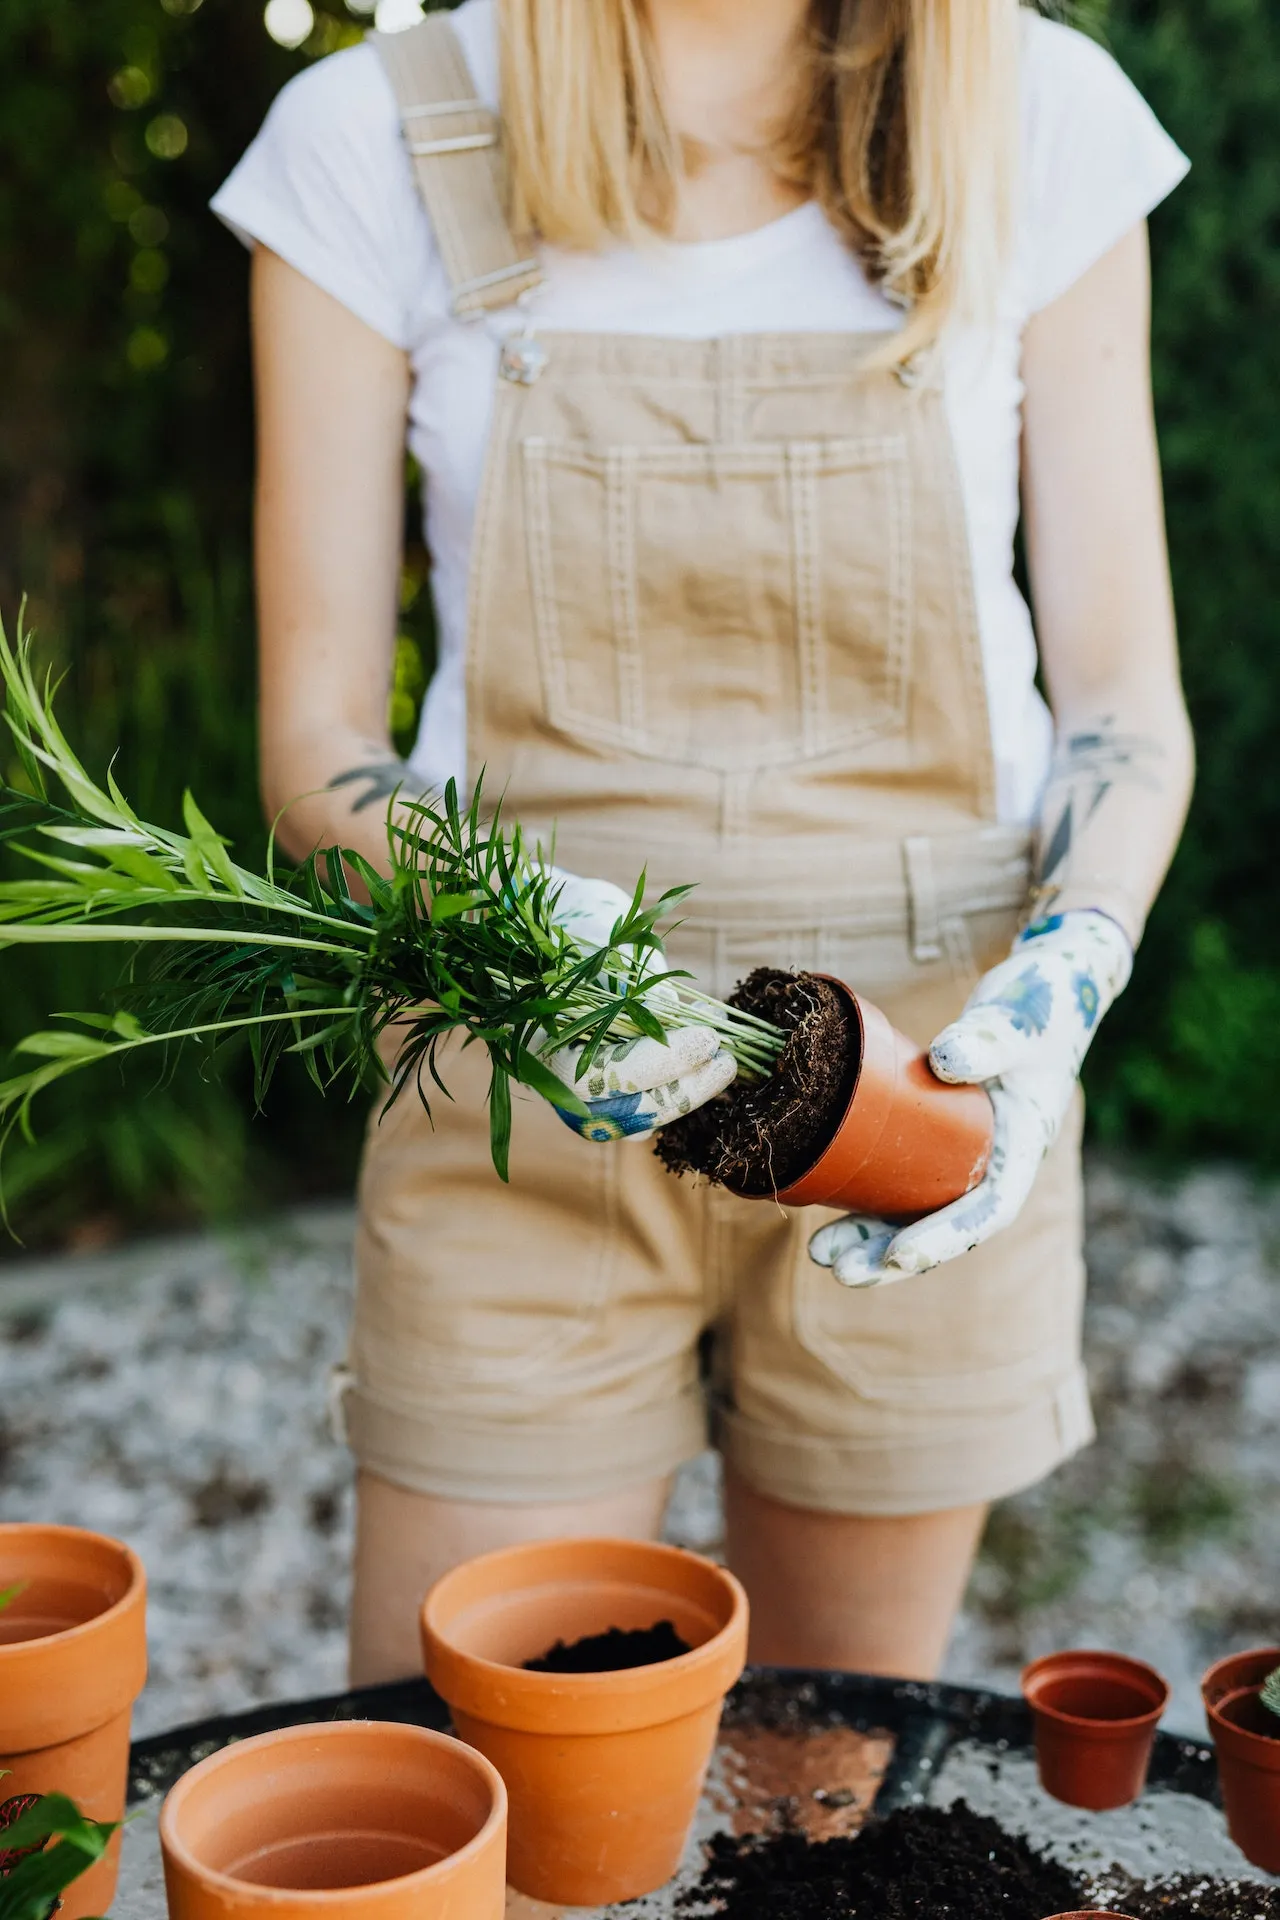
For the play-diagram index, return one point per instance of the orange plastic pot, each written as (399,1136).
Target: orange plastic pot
(1246,1738)
(73,1659)
(604,1770)
(907,1142)
(353,1820)
(1095,1724)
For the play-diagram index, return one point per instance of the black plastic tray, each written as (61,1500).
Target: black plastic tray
(926,1720)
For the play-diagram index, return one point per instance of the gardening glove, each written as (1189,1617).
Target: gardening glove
(1023,1036)
(633,1086)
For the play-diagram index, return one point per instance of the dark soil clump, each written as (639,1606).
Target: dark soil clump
(758,1138)
(1193,1898)
(612,1652)
(949,1864)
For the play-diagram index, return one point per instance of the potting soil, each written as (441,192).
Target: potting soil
(1192,1898)
(950,1864)
(613,1651)
(758,1138)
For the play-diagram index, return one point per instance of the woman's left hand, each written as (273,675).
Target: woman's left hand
(1023,1036)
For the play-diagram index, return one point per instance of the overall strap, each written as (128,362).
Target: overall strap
(457,160)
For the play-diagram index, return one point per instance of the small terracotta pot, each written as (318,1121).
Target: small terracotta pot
(604,1769)
(352,1820)
(1246,1738)
(1095,1720)
(907,1143)
(73,1659)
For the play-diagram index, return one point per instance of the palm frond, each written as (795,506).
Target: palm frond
(458,937)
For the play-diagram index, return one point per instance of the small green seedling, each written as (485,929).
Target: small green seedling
(1270,1695)
(456,938)
(34,1874)
(9,1594)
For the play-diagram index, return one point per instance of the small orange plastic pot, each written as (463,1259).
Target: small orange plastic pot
(907,1143)
(1095,1724)
(1246,1739)
(73,1659)
(604,1770)
(352,1820)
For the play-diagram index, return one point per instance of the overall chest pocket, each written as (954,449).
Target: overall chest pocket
(716,604)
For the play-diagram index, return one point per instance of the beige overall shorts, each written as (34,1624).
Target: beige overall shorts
(722,626)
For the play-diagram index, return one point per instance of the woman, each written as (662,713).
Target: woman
(722,369)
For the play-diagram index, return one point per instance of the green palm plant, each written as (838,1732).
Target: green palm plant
(457,937)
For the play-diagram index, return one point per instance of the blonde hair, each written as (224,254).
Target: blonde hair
(904,130)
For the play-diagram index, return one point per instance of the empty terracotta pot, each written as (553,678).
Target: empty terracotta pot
(73,1659)
(1095,1724)
(353,1820)
(907,1143)
(604,1770)
(1246,1738)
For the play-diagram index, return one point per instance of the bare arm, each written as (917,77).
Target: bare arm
(331,399)
(1094,515)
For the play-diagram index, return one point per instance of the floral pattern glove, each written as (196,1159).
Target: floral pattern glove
(633,1086)
(1023,1035)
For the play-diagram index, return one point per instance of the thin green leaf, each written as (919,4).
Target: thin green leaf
(500,1120)
(532,1072)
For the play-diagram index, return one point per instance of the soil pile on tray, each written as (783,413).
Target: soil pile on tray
(948,1863)
(612,1652)
(1193,1898)
(758,1138)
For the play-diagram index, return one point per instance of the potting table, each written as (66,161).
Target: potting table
(828,1745)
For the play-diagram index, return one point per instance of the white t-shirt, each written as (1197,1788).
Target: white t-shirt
(328,186)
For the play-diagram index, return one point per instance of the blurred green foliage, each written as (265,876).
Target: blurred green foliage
(125,464)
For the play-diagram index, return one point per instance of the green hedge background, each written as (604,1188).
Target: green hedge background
(124,494)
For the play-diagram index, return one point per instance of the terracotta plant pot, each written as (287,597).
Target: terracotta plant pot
(907,1143)
(1095,1720)
(353,1820)
(1246,1737)
(604,1770)
(73,1659)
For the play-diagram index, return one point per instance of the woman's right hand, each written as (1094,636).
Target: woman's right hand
(632,1087)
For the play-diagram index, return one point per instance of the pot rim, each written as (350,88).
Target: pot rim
(1116,1666)
(1209,1694)
(1215,1715)
(181,1853)
(876,1121)
(14,1649)
(617,1683)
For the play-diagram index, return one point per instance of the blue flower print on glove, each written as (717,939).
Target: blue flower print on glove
(616,1117)
(1028,1001)
(1088,999)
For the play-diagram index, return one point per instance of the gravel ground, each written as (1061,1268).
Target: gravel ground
(172,1392)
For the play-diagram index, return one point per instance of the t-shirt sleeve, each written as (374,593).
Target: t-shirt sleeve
(328,186)
(1097,161)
